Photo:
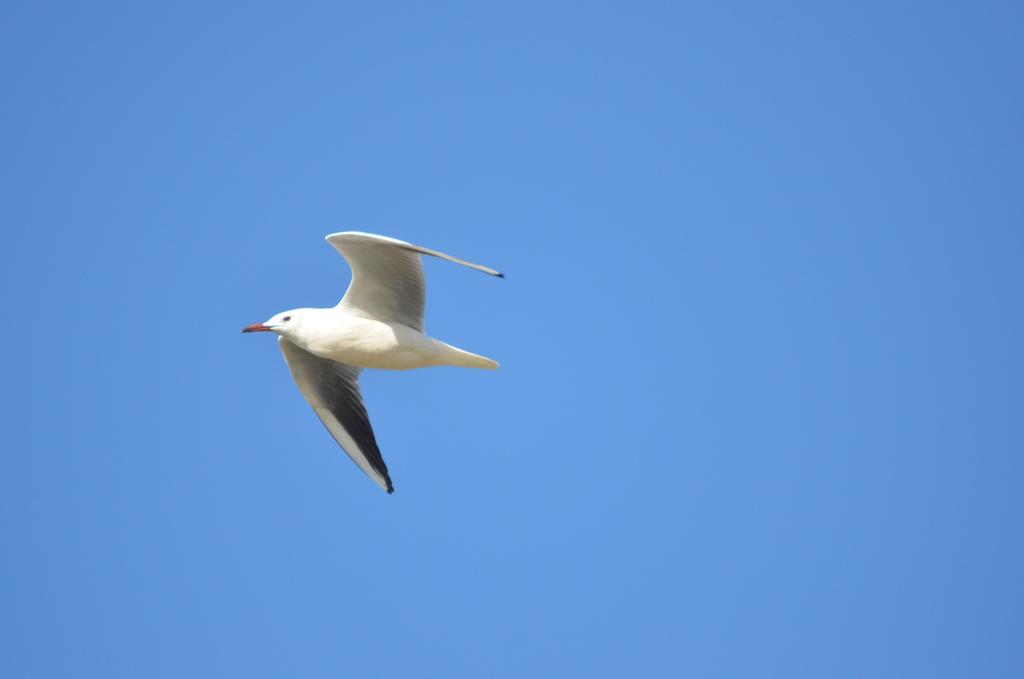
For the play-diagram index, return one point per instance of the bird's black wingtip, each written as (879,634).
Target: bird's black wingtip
(500,275)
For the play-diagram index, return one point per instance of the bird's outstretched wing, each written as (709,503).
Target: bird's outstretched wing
(387,276)
(332,389)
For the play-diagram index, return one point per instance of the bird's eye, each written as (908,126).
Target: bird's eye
(286,319)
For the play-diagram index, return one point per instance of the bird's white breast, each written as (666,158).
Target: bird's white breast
(366,343)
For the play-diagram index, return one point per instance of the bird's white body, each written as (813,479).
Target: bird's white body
(341,335)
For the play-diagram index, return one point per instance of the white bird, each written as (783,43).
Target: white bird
(377,324)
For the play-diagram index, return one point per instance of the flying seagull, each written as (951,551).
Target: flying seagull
(377,324)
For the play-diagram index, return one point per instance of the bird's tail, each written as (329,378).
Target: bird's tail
(449,355)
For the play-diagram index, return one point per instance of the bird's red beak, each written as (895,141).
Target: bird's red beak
(256,327)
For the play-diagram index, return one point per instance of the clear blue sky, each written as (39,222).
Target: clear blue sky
(760,405)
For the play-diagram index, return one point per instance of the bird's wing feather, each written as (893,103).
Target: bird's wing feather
(387,276)
(332,389)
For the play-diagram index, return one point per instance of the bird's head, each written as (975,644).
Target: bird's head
(283,323)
